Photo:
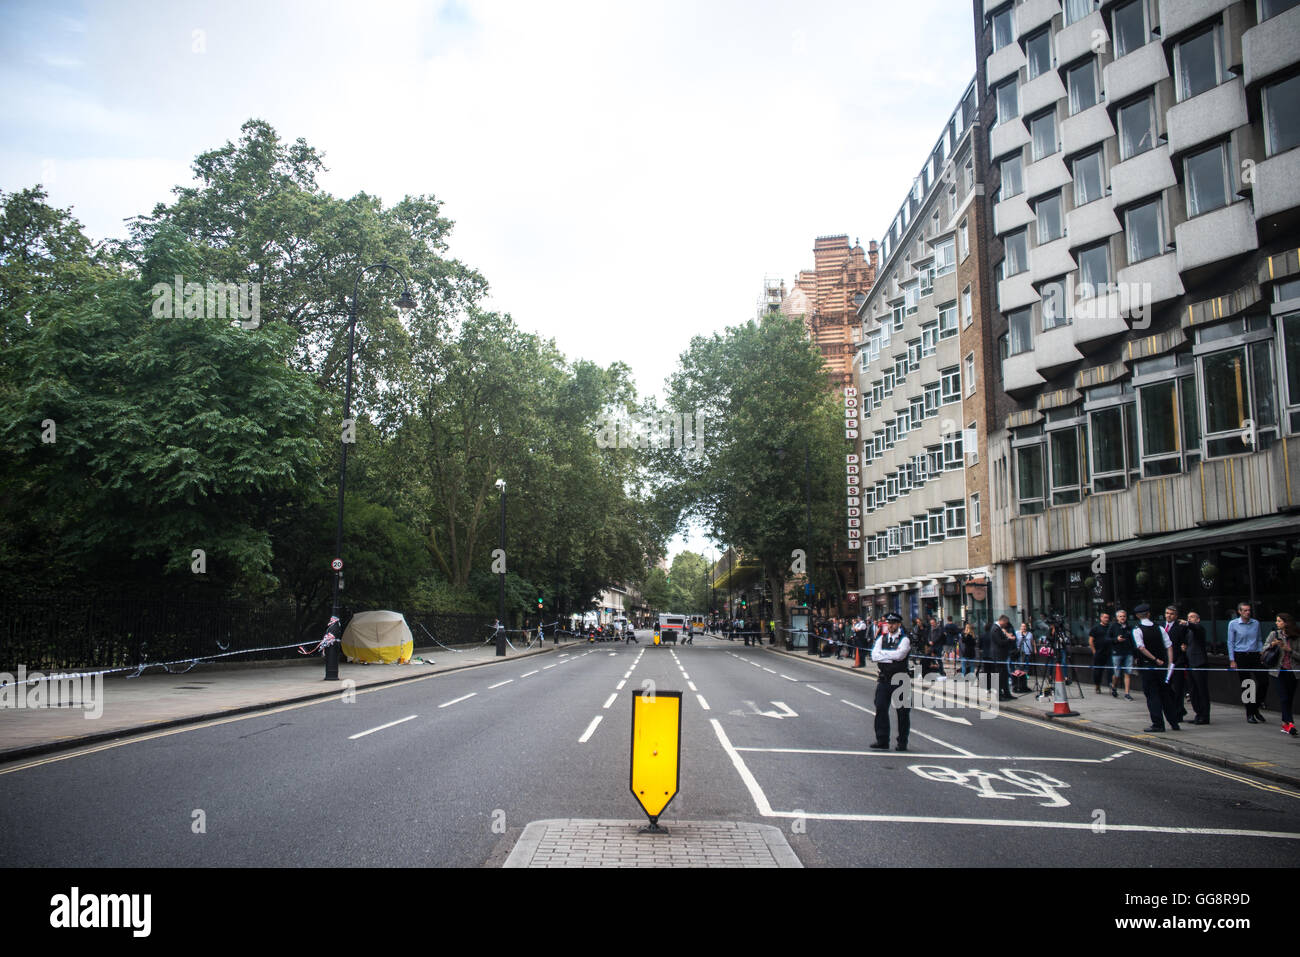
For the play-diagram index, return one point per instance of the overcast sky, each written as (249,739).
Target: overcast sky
(624,174)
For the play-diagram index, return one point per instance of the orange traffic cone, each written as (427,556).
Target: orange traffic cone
(1060,705)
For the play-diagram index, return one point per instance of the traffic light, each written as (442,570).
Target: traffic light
(539,602)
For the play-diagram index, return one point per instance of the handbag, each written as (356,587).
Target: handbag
(1272,657)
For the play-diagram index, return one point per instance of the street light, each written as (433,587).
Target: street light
(501,577)
(405,304)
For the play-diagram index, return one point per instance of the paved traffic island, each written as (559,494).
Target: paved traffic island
(575,842)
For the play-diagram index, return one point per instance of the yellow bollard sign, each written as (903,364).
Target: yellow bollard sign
(656,748)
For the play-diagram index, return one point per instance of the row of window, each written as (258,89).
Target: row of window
(916,471)
(1210,402)
(928,529)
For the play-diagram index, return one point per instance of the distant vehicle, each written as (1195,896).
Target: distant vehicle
(697,624)
(670,627)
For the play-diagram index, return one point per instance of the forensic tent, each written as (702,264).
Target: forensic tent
(378,637)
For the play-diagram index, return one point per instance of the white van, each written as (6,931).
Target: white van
(670,627)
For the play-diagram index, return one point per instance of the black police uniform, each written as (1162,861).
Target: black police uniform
(1160,698)
(885,690)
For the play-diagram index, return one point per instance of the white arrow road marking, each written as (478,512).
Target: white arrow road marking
(381,727)
(956,719)
(920,734)
(591,729)
(786,709)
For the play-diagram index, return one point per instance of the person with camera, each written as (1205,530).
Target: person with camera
(1155,650)
(890,653)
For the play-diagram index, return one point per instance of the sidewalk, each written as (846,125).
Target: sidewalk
(1227,741)
(158,700)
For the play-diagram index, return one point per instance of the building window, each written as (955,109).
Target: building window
(921,468)
(895,540)
(968,373)
(1094,269)
(916,408)
(963,238)
(913,355)
(954,519)
(971,443)
(949,385)
(1290,336)
(1164,433)
(1020,331)
(1002,32)
(1029,478)
(891,434)
(1012,183)
(1008,101)
(1064,447)
(1052,295)
(935,516)
(1051,221)
(948,320)
(931,399)
(1016,250)
(1042,130)
(891,488)
(975,519)
(952,451)
(1076,10)
(1282,116)
(1271,8)
(1137,127)
(1237,384)
(1198,63)
(878,393)
(927,281)
(900,369)
(897,316)
(1144,232)
(1081,81)
(944,262)
(929,336)
(1129,27)
(911,297)
(967,317)
(920,531)
(1113,442)
(889,382)
(934,460)
(1206,180)
(1038,51)
(1088,179)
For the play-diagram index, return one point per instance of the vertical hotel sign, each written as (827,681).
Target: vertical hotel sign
(853,468)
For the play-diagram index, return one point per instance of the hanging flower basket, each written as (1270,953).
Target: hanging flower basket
(1142,578)
(1295,564)
(1089,582)
(1209,571)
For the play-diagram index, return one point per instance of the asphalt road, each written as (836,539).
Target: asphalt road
(447,770)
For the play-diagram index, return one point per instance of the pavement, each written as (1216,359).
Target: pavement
(1227,741)
(210,690)
(591,843)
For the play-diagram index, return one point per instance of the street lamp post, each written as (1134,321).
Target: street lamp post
(405,305)
(501,577)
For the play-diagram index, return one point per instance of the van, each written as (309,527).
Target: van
(670,627)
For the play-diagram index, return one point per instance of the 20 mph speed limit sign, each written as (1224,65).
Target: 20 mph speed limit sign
(337,564)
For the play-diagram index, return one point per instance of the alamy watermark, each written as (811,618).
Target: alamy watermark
(215,300)
(37,690)
(659,430)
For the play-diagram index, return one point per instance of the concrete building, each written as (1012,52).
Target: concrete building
(923,374)
(1143,182)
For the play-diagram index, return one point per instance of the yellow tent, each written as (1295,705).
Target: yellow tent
(378,637)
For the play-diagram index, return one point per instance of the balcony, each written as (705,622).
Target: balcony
(1277,182)
(1041,91)
(1214,113)
(1011,214)
(1032,14)
(1177,15)
(1270,47)
(1216,236)
(1098,318)
(1085,129)
(1054,349)
(1015,292)
(1004,63)
(1148,284)
(1141,175)
(1075,41)
(1087,224)
(1007,138)
(1048,174)
(1019,372)
(1051,260)
(1139,70)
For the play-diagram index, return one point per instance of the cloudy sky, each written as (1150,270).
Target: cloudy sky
(624,174)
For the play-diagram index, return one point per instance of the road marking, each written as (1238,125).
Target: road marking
(819,690)
(858,706)
(755,792)
(457,700)
(382,726)
(956,719)
(786,709)
(768,670)
(609,701)
(619,686)
(788,678)
(703,704)
(545,667)
(591,728)
(920,734)
(917,754)
(686,676)
(691,685)
(500,683)
(529,673)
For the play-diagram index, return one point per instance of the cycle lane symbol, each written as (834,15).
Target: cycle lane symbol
(1006,784)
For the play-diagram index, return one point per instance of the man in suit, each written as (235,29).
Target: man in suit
(1198,661)
(1176,631)
(1001,642)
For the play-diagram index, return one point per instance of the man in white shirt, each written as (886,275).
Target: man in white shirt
(1155,656)
(890,654)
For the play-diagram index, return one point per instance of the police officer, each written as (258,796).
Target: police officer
(1155,649)
(890,653)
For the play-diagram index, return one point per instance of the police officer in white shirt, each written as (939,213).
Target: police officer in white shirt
(1155,656)
(890,654)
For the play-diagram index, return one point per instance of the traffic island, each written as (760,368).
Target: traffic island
(575,842)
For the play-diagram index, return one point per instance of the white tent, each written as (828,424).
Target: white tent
(378,637)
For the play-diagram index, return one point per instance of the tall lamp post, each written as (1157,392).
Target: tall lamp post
(501,577)
(405,305)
